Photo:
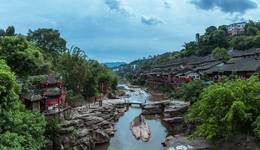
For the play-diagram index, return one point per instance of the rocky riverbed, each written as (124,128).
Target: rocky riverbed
(88,126)
(93,124)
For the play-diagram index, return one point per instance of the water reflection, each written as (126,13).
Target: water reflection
(123,139)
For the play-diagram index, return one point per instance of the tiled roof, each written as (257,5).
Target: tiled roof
(53,91)
(236,53)
(192,60)
(242,65)
(50,79)
(207,65)
(154,73)
(32,97)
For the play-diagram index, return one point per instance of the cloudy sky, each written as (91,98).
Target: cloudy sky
(125,30)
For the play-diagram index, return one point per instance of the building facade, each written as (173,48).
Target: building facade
(236,28)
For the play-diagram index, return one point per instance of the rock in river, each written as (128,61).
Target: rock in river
(140,128)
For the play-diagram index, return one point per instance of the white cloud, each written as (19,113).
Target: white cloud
(105,31)
(120,6)
(167,4)
(151,20)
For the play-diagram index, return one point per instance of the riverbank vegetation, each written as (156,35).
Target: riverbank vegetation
(222,109)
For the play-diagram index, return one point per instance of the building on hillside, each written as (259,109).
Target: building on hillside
(48,94)
(236,28)
(244,67)
(244,63)
(32,101)
(202,67)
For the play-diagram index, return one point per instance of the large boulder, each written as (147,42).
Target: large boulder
(140,129)
(152,108)
(101,137)
(175,110)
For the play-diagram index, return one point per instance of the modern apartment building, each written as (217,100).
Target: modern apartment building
(236,28)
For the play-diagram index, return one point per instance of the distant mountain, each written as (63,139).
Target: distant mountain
(113,64)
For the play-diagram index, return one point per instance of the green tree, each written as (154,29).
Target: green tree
(225,108)
(197,37)
(218,38)
(243,42)
(84,76)
(220,54)
(238,42)
(49,41)
(189,92)
(210,29)
(23,57)
(256,127)
(252,28)
(100,75)
(2,32)
(190,48)
(73,69)
(10,31)
(19,127)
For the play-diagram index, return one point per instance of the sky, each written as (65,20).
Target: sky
(125,30)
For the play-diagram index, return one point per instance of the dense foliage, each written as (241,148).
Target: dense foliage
(225,108)
(256,127)
(22,56)
(189,91)
(49,41)
(220,54)
(84,76)
(19,127)
(135,80)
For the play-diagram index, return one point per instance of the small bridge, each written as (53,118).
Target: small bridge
(134,103)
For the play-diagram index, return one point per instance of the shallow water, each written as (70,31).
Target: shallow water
(123,138)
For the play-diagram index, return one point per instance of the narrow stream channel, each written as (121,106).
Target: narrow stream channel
(123,138)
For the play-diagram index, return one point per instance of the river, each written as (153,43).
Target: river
(123,138)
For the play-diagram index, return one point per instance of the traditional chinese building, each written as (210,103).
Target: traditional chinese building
(49,94)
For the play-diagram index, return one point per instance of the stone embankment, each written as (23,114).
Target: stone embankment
(172,112)
(90,126)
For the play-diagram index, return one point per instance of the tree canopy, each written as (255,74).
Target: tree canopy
(189,92)
(22,56)
(49,41)
(19,127)
(220,54)
(85,76)
(225,108)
